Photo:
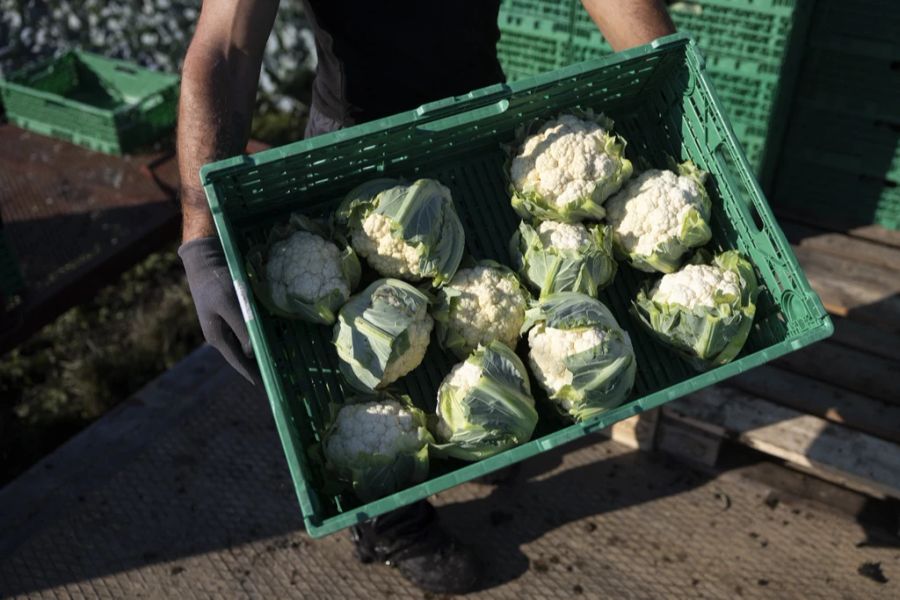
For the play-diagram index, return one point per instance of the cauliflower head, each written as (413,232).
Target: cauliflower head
(564,236)
(418,333)
(409,231)
(696,285)
(703,311)
(484,405)
(391,256)
(379,446)
(479,305)
(566,170)
(303,271)
(563,257)
(307,267)
(659,216)
(579,354)
(382,334)
(549,348)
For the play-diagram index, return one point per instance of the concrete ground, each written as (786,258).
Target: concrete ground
(183,492)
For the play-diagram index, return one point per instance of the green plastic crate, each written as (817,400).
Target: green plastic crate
(661,100)
(843,81)
(752,52)
(108,105)
(810,189)
(848,142)
(530,46)
(534,36)
(869,26)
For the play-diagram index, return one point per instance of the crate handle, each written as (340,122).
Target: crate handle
(472,116)
(126,69)
(746,191)
(52,102)
(151,101)
(438,109)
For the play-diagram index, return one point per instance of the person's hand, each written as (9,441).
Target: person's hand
(217,304)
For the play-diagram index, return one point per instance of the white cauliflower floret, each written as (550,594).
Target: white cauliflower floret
(491,306)
(419,333)
(564,161)
(564,236)
(652,209)
(390,255)
(383,428)
(463,377)
(307,266)
(696,285)
(549,348)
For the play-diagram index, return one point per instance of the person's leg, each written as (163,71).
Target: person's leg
(412,540)
(409,538)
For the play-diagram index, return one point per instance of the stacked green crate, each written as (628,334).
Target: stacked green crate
(534,36)
(751,51)
(841,156)
(104,104)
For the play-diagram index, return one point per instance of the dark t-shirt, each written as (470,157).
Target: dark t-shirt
(379,57)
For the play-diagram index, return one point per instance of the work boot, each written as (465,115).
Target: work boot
(412,540)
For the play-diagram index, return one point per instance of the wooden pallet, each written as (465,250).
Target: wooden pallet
(832,410)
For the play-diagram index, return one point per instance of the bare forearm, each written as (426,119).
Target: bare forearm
(628,23)
(212,125)
(218,91)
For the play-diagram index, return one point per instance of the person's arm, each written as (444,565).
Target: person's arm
(628,23)
(218,92)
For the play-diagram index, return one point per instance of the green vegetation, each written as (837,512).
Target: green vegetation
(93,357)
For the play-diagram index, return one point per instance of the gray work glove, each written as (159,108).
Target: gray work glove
(217,304)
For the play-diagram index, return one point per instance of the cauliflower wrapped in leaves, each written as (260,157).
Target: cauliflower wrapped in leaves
(408,231)
(303,272)
(382,334)
(579,354)
(566,170)
(484,405)
(703,311)
(659,216)
(563,257)
(479,305)
(378,446)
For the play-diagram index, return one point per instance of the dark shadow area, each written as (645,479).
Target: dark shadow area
(838,163)
(513,515)
(217,479)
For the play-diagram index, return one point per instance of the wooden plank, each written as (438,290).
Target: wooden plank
(862,461)
(877,233)
(842,245)
(636,432)
(874,233)
(847,368)
(869,415)
(856,290)
(687,442)
(867,338)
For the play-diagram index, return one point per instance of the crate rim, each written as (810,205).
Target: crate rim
(423,114)
(317,527)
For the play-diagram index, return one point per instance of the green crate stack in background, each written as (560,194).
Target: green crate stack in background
(108,105)
(535,36)
(751,48)
(840,163)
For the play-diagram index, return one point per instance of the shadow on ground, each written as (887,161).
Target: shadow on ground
(219,480)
